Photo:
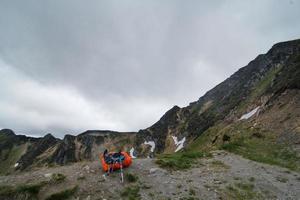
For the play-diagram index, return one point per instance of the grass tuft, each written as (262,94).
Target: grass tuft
(33,189)
(241,191)
(131,178)
(131,193)
(282,179)
(6,190)
(62,195)
(219,164)
(57,178)
(251,179)
(181,160)
(265,151)
(192,192)
(29,190)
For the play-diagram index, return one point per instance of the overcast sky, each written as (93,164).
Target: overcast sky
(71,65)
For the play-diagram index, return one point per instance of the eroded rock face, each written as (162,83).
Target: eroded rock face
(65,151)
(36,149)
(12,147)
(88,145)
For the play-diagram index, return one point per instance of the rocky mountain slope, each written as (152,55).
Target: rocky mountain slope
(18,152)
(270,78)
(259,102)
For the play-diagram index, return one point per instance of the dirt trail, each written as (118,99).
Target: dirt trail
(220,177)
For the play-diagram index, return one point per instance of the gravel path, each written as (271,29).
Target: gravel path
(216,178)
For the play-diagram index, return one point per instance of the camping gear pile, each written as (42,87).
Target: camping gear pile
(115,161)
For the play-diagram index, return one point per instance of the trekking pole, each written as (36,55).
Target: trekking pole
(121,171)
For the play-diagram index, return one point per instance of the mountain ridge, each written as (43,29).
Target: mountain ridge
(259,83)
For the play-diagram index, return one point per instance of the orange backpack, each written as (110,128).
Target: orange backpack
(116,165)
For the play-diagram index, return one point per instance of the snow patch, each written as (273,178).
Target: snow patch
(179,144)
(131,152)
(16,165)
(250,114)
(152,144)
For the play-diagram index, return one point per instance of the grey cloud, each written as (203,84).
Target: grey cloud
(128,60)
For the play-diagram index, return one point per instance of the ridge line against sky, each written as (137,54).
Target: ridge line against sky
(70,65)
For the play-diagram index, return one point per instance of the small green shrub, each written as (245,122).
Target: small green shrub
(51,165)
(65,194)
(81,178)
(131,177)
(251,179)
(30,190)
(218,163)
(192,192)
(6,190)
(58,178)
(282,179)
(131,193)
(233,145)
(245,186)
(151,194)
(143,186)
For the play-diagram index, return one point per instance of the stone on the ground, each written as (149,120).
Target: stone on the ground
(48,175)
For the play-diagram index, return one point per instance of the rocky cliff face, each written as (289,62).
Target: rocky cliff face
(18,152)
(12,147)
(88,145)
(265,92)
